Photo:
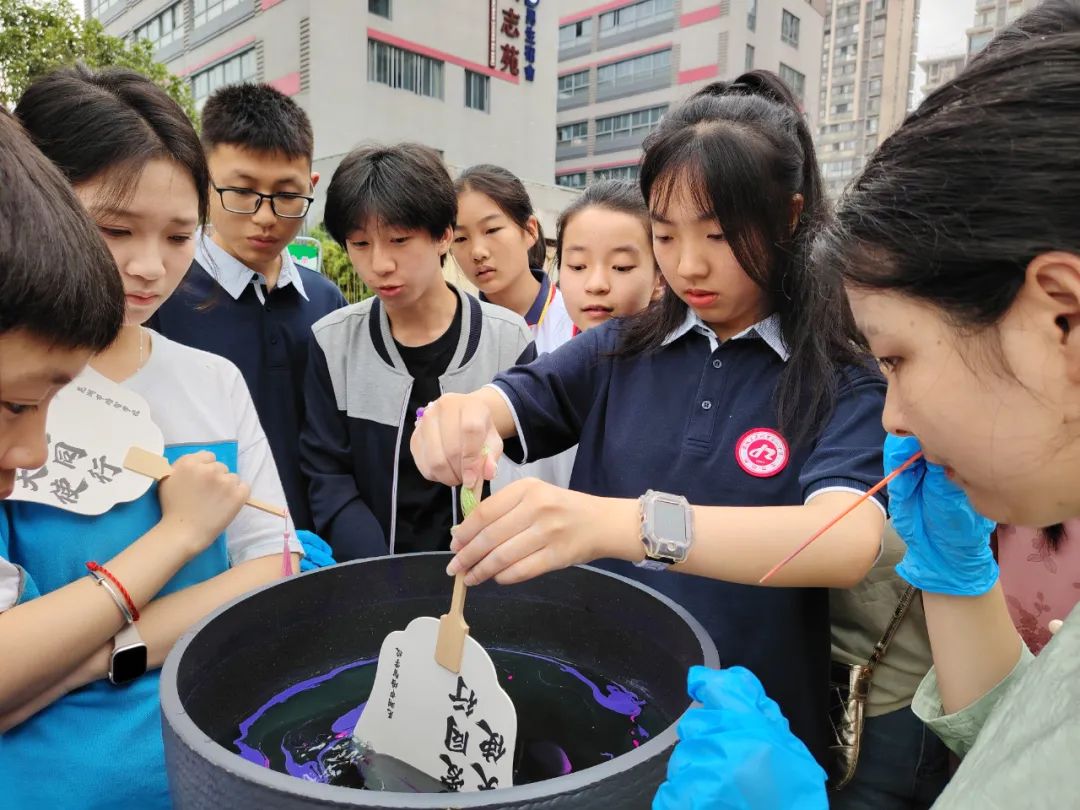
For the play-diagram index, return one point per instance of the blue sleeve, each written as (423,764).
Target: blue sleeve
(847,453)
(340,515)
(552,396)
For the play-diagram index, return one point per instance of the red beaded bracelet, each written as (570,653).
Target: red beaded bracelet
(93,566)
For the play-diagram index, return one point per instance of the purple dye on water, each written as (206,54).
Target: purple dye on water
(256,756)
(345,724)
(617,699)
(306,729)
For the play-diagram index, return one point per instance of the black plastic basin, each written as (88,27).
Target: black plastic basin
(248,651)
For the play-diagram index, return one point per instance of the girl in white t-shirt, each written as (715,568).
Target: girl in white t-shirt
(167,559)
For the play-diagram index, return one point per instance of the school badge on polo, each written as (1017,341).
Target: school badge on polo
(762,452)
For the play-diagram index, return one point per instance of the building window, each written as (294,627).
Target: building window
(576,134)
(839,168)
(98,6)
(751,16)
(164,29)
(379,7)
(617,173)
(640,122)
(749,57)
(404,70)
(636,69)
(793,79)
(874,87)
(477,91)
(789,29)
(572,180)
(235,69)
(638,15)
(574,85)
(979,41)
(575,33)
(206,10)
(839,109)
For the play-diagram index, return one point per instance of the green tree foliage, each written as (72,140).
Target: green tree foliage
(337,267)
(37,36)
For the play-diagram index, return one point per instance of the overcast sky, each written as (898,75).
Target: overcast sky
(942,24)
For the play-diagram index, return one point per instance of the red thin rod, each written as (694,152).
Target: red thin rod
(869,494)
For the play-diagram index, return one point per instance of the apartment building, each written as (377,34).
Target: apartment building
(474,79)
(622,64)
(867,78)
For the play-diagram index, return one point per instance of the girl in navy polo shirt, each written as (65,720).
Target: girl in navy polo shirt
(499,244)
(743,389)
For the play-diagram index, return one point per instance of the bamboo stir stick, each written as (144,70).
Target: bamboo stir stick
(157,467)
(874,490)
(450,644)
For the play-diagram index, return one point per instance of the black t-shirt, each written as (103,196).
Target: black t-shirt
(423,507)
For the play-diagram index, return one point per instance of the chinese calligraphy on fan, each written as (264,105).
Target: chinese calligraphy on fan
(394,681)
(470,744)
(68,473)
(91,426)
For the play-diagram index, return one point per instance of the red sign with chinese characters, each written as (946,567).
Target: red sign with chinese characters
(508,23)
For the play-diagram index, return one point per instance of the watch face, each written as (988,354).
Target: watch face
(128,663)
(669,521)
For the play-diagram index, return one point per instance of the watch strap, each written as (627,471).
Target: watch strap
(127,637)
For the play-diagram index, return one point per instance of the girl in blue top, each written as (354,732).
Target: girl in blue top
(743,389)
(70,738)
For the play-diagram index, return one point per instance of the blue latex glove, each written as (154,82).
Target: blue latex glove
(948,542)
(317,554)
(737,752)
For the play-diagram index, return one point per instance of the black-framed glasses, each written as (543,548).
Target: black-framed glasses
(248,201)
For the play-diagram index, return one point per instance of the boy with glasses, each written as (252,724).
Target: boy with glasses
(244,298)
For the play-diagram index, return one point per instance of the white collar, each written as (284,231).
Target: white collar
(767,330)
(235,276)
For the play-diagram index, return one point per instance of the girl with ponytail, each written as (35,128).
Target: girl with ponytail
(742,390)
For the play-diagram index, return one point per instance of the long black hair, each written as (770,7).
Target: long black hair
(978,181)
(745,150)
(58,281)
(982,178)
(508,192)
(87,122)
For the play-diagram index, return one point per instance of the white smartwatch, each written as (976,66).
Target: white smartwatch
(667,530)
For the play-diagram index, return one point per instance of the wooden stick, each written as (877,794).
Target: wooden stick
(874,490)
(450,644)
(154,466)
